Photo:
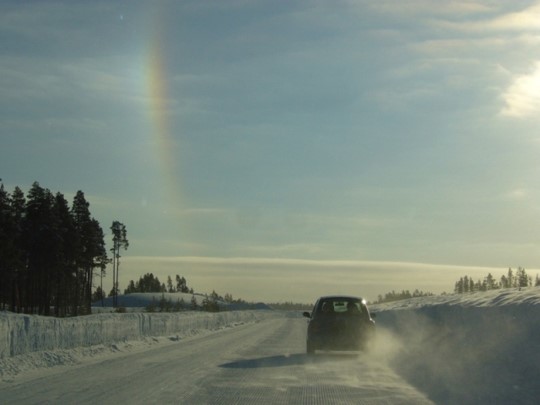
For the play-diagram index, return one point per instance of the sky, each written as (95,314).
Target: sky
(284,150)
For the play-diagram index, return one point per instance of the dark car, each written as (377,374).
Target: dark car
(339,323)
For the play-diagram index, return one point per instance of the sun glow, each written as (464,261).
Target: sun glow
(522,97)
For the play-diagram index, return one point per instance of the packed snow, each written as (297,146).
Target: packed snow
(456,349)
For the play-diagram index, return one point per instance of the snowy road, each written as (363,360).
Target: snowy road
(259,363)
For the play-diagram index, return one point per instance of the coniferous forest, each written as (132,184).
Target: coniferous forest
(50,251)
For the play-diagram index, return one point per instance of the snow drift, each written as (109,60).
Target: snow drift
(465,349)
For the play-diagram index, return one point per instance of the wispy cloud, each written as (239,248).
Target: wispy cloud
(429,7)
(497,19)
(527,19)
(280,262)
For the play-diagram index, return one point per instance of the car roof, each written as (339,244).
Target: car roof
(343,297)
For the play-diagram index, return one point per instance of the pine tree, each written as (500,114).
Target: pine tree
(98,295)
(459,286)
(504,281)
(42,245)
(18,206)
(193,303)
(181,284)
(491,284)
(522,279)
(8,248)
(47,252)
(119,241)
(510,278)
(91,252)
(64,285)
(466,284)
(130,288)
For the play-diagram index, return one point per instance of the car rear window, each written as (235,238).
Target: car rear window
(337,306)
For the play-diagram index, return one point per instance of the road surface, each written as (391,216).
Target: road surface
(261,363)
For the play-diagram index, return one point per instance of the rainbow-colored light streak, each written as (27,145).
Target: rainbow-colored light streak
(160,109)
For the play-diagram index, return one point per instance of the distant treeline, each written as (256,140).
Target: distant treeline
(291,306)
(511,279)
(404,294)
(49,252)
(465,284)
(150,283)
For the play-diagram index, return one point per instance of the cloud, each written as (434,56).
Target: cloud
(527,19)
(471,44)
(303,263)
(495,20)
(428,7)
(522,97)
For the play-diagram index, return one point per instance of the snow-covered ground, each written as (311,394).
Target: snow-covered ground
(469,348)
(31,342)
(456,349)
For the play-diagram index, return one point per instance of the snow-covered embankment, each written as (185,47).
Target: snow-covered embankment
(22,334)
(474,348)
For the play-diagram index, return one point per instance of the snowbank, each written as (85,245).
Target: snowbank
(465,349)
(494,298)
(20,334)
